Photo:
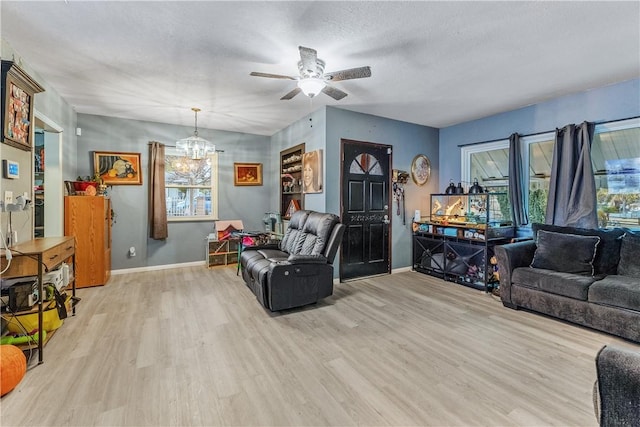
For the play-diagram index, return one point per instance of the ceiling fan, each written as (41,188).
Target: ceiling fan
(313,80)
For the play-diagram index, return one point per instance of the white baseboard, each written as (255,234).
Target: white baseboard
(158,267)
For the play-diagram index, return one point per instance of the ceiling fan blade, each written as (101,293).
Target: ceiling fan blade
(290,94)
(272,76)
(336,94)
(352,73)
(309,58)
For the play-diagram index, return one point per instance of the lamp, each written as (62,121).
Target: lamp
(195,147)
(311,86)
(475,188)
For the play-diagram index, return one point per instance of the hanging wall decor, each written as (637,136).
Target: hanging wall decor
(17,106)
(247,174)
(420,169)
(312,172)
(116,168)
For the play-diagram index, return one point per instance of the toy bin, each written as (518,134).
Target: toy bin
(28,321)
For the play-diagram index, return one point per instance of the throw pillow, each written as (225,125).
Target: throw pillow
(608,252)
(629,259)
(566,253)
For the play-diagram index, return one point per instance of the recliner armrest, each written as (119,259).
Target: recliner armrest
(258,247)
(307,259)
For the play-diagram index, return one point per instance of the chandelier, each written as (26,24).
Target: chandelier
(195,147)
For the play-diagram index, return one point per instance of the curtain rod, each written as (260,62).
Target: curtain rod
(539,133)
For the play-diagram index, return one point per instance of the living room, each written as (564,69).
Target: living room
(179,259)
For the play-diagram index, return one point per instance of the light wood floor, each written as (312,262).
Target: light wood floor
(192,347)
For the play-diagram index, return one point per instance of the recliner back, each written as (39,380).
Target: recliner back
(316,232)
(290,240)
(312,233)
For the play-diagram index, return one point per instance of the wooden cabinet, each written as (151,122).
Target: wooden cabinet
(291,197)
(88,219)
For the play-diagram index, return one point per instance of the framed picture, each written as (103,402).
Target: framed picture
(17,106)
(117,168)
(247,174)
(420,169)
(312,172)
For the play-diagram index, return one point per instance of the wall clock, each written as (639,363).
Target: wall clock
(420,169)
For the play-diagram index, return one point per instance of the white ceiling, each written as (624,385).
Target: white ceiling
(433,63)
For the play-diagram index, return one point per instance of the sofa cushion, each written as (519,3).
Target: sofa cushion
(570,285)
(608,252)
(616,291)
(273,255)
(630,256)
(567,253)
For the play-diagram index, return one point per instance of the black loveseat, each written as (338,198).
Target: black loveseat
(298,271)
(588,277)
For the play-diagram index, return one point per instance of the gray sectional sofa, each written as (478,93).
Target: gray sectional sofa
(588,277)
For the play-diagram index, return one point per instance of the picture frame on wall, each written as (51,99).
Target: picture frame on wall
(312,172)
(18,90)
(247,174)
(117,168)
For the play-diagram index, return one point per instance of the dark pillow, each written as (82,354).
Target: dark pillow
(630,256)
(566,253)
(608,253)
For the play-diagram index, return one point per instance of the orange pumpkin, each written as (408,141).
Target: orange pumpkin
(13,366)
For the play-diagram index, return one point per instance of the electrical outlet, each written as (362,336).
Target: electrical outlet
(8,197)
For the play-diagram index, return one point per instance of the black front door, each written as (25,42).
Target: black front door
(365,209)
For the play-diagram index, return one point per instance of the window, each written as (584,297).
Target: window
(539,157)
(615,155)
(489,164)
(191,187)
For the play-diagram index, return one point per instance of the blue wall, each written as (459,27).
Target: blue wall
(186,242)
(325,131)
(614,102)
(310,130)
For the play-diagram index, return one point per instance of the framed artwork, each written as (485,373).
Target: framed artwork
(115,168)
(312,172)
(17,106)
(247,174)
(420,169)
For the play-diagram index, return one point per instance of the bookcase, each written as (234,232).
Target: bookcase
(291,197)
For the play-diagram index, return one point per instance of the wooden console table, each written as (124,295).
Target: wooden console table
(34,258)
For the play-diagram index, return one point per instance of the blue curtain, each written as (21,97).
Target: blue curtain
(517,182)
(572,190)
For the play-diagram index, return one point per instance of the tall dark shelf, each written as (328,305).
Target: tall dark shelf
(291,179)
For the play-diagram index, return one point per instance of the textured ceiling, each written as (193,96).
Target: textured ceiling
(433,63)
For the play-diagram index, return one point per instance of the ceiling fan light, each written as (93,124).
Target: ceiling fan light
(311,86)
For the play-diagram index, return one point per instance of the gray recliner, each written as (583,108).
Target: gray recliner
(299,270)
